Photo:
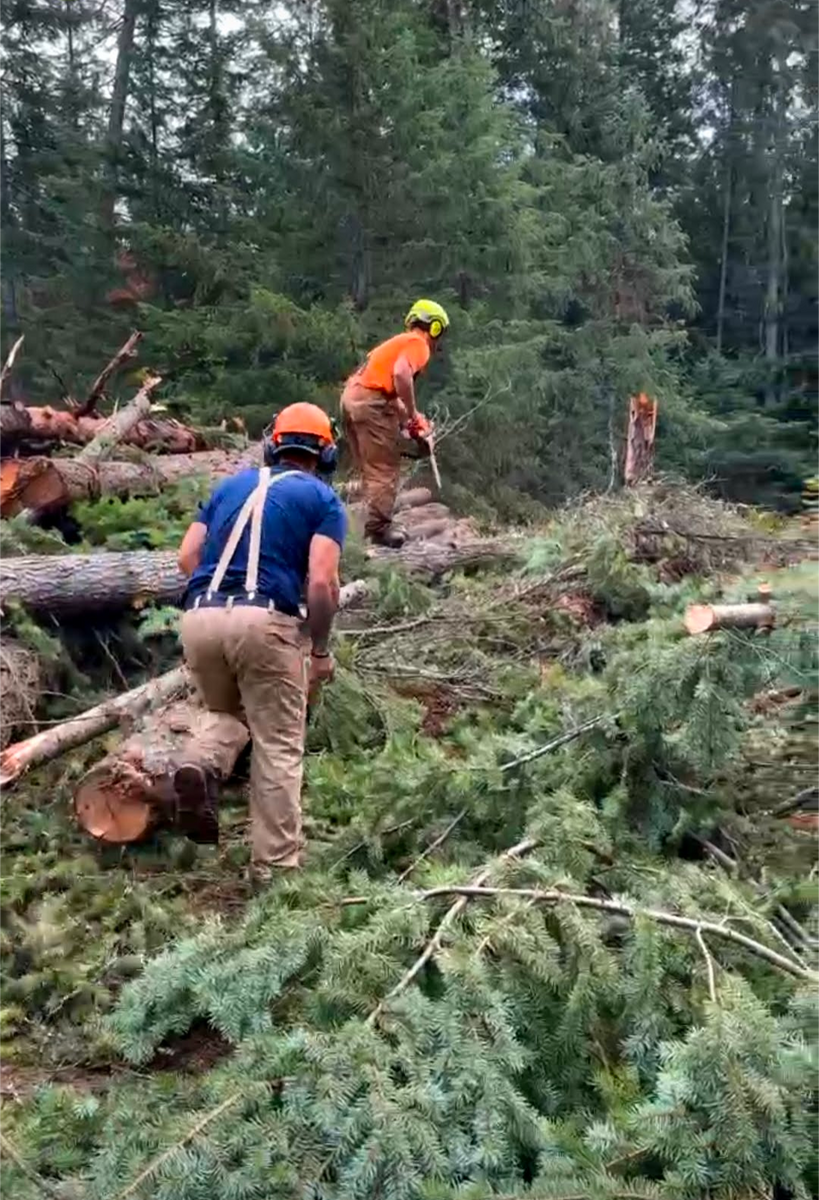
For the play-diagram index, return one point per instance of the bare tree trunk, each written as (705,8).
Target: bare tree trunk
(642,426)
(119,98)
(773,291)
(727,205)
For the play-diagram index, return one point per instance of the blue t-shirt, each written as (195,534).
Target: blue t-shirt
(295,509)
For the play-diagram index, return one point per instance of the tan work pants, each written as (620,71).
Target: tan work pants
(372,427)
(252,664)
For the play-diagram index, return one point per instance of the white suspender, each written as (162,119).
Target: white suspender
(253,511)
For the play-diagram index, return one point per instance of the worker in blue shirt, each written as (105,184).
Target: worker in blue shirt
(254,544)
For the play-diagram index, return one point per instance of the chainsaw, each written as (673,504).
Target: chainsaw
(421,433)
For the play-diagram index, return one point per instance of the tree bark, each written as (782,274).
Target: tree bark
(31,426)
(642,427)
(63,583)
(727,207)
(706,618)
(119,98)
(50,743)
(44,485)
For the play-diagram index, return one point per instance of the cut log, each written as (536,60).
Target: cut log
(117,428)
(63,583)
(705,618)
(424,530)
(642,427)
(131,794)
(23,426)
(44,485)
(423,514)
(16,759)
(125,353)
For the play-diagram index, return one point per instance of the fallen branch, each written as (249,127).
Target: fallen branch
(555,744)
(432,847)
(118,427)
(450,916)
(193,1132)
(552,896)
(42,747)
(123,355)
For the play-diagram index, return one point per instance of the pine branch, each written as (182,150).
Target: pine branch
(30,1174)
(563,740)
(198,1128)
(432,847)
(435,942)
(123,355)
(631,911)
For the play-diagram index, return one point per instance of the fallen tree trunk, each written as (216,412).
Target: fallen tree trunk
(15,760)
(44,485)
(30,426)
(62,583)
(706,618)
(65,583)
(131,792)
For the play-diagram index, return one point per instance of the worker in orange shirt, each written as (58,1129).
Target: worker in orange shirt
(378,399)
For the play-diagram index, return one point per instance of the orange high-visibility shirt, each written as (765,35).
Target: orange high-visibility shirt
(376,372)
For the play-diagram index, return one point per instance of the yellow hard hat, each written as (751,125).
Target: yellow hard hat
(427,312)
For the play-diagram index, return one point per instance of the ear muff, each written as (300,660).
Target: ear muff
(435,329)
(327,455)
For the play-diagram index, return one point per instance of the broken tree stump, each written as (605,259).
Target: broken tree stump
(707,618)
(642,428)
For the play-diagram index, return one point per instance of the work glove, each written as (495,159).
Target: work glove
(418,426)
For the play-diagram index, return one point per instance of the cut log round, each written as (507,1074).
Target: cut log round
(44,485)
(705,618)
(131,794)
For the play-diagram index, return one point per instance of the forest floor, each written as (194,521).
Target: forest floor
(441,693)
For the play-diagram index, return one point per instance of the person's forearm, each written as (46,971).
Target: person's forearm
(405,391)
(321,609)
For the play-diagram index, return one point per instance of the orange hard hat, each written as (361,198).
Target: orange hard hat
(306,419)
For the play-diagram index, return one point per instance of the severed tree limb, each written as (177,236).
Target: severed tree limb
(450,916)
(709,964)
(123,355)
(692,924)
(120,424)
(20,757)
(9,363)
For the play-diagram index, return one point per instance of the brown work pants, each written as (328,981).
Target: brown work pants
(372,427)
(251,664)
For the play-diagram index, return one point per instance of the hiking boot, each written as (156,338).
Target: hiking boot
(391,538)
(197,804)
